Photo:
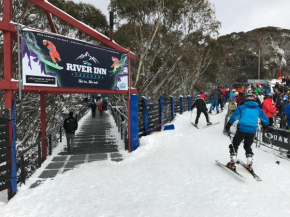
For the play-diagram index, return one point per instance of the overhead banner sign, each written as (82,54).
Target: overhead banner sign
(277,137)
(55,61)
(257,81)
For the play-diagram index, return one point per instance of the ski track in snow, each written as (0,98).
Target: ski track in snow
(172,174)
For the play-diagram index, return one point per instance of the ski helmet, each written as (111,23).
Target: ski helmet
(269,95)
(251,97)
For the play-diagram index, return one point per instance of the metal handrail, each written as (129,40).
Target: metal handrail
(81,112)
(121,125)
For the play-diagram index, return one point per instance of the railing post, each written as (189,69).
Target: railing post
(181,104)
(172,108)
(126,140)
(134,132)
(60,134)
(39,155)
(49,144)
(122,131)
(160,111)
(145,115)
(22,168)
(189,102)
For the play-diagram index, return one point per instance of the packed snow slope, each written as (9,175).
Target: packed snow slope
(173,173)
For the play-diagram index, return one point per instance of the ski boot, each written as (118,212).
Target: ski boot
(232,163)
(210,112)
(209,123)
(249,163)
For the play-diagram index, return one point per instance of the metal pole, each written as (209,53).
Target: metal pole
(22,174)
(60,134)
(128,100)
(19,63)
(39,154)
(50,144)
(259,65)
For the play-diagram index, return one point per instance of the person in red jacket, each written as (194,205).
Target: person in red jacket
(241,99)
(100,108)
(202,95)
(268,108)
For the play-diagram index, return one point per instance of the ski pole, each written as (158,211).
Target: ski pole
(277,162)
(229,134)
(190,116)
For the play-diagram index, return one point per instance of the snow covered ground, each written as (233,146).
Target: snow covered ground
(173,173)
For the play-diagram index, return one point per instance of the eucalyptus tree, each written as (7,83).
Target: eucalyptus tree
(162,33)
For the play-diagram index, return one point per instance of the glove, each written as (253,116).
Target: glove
(228,126)
(264,127)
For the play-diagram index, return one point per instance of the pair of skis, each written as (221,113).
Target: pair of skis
(255,176)
(204,126)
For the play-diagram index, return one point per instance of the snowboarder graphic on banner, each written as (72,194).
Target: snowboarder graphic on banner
(200,105)
(52,51)
(70,125)
(248,115)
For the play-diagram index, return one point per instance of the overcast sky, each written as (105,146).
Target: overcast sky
(238,15)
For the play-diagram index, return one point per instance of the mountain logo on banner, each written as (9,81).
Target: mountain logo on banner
(86,65)
(86,58)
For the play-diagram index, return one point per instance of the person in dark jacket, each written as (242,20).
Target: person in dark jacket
(214,100)
(93,108)
(200,105)
(70,125)
(221,98)
(248,115)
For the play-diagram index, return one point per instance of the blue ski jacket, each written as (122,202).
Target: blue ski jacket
(248,113)
(287,110)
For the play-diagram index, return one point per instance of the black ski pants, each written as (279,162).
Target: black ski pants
(198,115)
(220,102)
(248,141)
(271,122)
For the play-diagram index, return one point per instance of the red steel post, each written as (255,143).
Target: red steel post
(8,70)
(129,108)
(43,123)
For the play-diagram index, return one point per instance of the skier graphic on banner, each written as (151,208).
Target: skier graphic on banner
(52,51)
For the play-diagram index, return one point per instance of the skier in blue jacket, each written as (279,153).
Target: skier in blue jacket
(287,113)
(248,115)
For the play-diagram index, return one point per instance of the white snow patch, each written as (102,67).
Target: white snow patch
(172,174)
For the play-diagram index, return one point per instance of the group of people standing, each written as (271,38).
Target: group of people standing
(71,124)
(246,104)
(102,105)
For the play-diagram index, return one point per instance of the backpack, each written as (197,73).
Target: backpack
(70,125)
(232,105)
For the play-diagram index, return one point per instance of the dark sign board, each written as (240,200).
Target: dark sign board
(4,154)
(53,60)
(277,137)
